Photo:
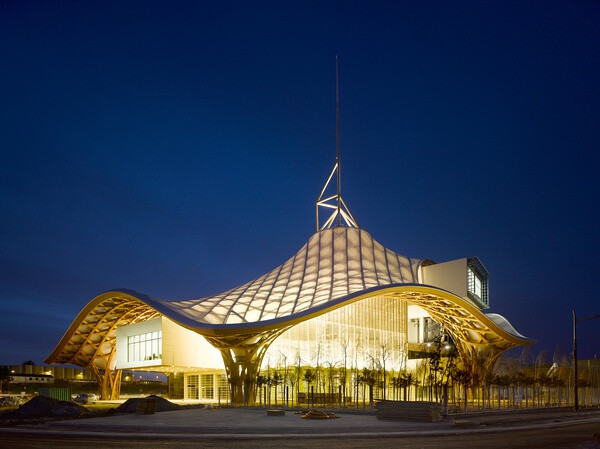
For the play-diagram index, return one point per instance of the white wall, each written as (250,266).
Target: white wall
(182,348)
(451,276)
(185,348)
(135,329)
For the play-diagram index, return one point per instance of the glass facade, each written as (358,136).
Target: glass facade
(223,387)
(175,382)
(202,386)
(142,347)
(207,382)
(474,283)
(477,282)
(192,386)
(361,334)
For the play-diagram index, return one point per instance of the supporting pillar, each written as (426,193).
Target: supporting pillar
(108,380)
(242,370)
(101,380)
(115,383)
(421,330)
(242,356)
(479,359)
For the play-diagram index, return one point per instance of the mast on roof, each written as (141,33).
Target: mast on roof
(341,215)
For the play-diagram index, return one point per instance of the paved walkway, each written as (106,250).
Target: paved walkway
(254,423)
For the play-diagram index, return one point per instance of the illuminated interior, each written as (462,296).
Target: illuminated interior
(358,332)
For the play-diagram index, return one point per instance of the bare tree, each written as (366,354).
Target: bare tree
(344,370)
(540,375)
(294,377)
(318,355)
(276,379)
(331,372)
(369,378)
(260,382)
(383,356)
(309,377)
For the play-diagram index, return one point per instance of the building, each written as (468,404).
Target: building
(20,378)
(54,372)
(342,294)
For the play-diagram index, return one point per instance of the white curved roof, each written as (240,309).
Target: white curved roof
(333,264)
(336,266)
(505,325)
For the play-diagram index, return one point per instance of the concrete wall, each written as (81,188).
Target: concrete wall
(451,276)
(185,348)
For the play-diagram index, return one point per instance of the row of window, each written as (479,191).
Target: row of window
(202,386)
(20,379)
(144,347)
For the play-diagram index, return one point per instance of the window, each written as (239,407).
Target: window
(223,387)
(474,283)
(208,386)
(413,331)
(192,386)
(432,330)
(477,282)
(144,347)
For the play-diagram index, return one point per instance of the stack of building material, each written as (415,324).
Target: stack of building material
(409,411)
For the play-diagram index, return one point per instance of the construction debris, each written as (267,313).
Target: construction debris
(42,406)
(143,406)
(318,414)
(409,411)
(12,401)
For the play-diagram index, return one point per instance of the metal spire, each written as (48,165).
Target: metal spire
(336,202)
(337,139)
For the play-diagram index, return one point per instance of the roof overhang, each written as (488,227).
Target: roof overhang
(91,336)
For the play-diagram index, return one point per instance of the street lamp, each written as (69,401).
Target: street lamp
(576,383)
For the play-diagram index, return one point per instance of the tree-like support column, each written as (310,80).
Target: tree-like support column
(242,370)
(108,380)
(479,359)
(242,355)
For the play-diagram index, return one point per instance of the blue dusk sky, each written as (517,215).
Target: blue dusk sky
(177,149)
